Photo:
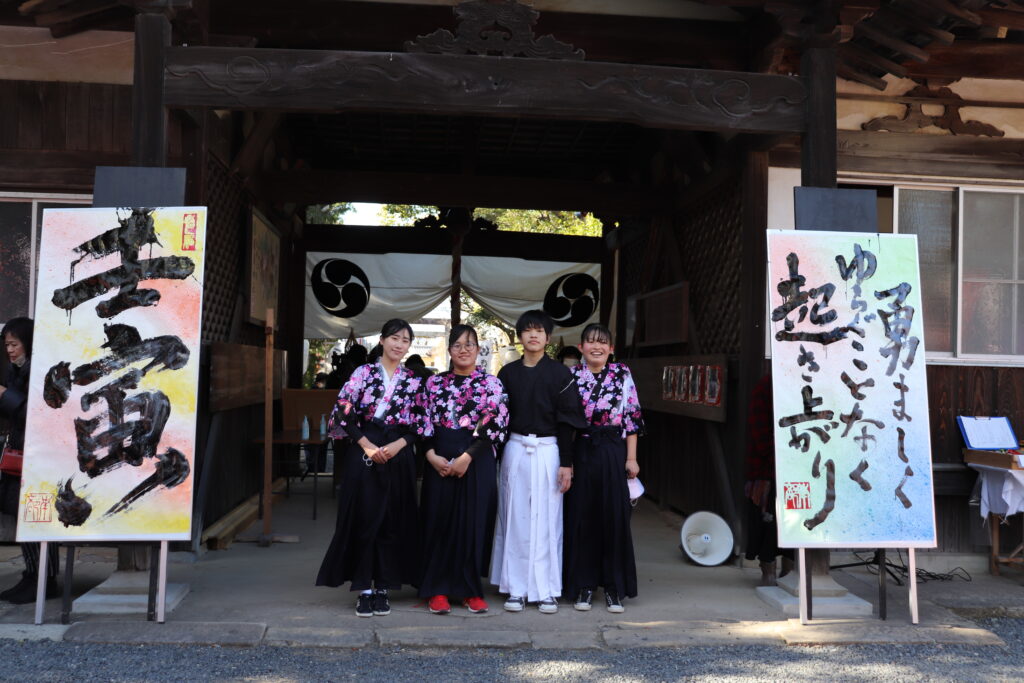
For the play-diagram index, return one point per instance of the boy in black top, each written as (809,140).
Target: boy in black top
(544,412)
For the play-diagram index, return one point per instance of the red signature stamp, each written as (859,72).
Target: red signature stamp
(189,226)
(38,507)
(797,495)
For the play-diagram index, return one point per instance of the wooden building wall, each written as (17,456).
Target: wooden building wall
(675,456)
(53,135)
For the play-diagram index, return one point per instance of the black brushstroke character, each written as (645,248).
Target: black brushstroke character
(125,442)
(793,298)
(136,231)
(810,402)
(900,413)
(863,264)
(830,497)
(127,347)
(853,417)
(72,509)
(897,321)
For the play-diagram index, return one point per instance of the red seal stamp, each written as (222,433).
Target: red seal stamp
(797,495)
(189,225)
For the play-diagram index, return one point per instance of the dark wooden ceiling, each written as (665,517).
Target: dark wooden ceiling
(938,39)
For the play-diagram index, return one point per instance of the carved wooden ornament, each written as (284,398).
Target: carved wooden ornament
(502,28)
(915,119)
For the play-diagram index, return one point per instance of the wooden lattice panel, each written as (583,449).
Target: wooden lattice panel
(225,240)
(711,253)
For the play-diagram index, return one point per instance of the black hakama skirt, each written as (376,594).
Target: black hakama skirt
(598,550)
(458,521)
(375,542)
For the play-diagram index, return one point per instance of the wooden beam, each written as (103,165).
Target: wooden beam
(951,8)
(915,22)
(249,157)
(149,116)
(314,80)
(51,170)
(35,6)
(818,145)
(437,189)
(888,40)
(967,59)
(851,74)
(873,59)
(1000,17)
(75,11)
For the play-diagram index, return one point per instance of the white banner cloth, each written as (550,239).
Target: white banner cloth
(508,287)
(360,292)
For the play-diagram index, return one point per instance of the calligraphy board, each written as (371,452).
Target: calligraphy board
(110,432)
(852,440)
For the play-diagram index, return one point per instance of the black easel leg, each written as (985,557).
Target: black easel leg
(810,593)
(880,555)
(154,574)
(69,575)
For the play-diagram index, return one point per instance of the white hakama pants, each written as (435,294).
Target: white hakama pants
(526,559)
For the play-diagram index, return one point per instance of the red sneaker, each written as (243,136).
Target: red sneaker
(439,605)
(475,605)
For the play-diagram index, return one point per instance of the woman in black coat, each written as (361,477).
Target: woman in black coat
(17,336)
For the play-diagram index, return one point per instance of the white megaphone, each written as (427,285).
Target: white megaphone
(706,538)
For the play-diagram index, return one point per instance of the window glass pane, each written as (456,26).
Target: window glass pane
(988,318)
(930,214)
(15,258)
(988,235)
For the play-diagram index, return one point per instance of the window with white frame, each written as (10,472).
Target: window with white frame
(971,250)
(21,215)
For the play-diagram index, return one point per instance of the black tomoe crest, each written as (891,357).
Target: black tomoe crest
(340,287)
(571,299)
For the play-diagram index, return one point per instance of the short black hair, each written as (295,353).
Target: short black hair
(394,326)
(596,332)
(20,329)
(534,318)
(569,351)
(415,361)
(460,330)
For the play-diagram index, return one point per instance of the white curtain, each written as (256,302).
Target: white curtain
(507,287)
(360,292)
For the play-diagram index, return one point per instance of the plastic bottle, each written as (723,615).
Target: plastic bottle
(323,426)
(305,427)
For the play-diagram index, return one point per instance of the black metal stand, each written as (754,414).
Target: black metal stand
(883,567)
(69,575)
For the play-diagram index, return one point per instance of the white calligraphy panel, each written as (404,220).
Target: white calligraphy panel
(852,440)
(110,431)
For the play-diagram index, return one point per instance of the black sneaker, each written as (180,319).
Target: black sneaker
(613,603)
(584,600)
(364,605)
(26,591)
(381,604)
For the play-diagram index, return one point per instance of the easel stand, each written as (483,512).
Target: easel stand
(806,602)
(157,607)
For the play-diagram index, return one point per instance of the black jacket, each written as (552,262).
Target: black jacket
(14,402)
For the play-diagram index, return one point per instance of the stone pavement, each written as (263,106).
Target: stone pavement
(247,595)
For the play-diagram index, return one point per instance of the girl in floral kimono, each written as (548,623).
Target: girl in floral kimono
(375,540)
(465,421)
(598,547)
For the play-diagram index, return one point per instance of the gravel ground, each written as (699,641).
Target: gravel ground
(47,661)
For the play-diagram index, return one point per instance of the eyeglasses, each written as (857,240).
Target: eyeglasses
(460,347)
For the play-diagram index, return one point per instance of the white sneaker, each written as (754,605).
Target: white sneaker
(613,603)
(514,604)
(584,600)
(548,606)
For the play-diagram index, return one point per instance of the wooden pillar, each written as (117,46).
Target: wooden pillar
(818,147)
(149,148)
(149,116)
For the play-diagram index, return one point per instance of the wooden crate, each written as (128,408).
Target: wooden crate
(1004,460)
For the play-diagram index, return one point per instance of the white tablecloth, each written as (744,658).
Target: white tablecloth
(1002,490)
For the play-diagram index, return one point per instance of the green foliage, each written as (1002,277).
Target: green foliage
(477,316)
(327,214)
(549,222)
(318,350)
(403,214)
(519,220)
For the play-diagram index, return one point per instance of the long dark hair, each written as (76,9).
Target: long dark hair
(460,330)
(20,329)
